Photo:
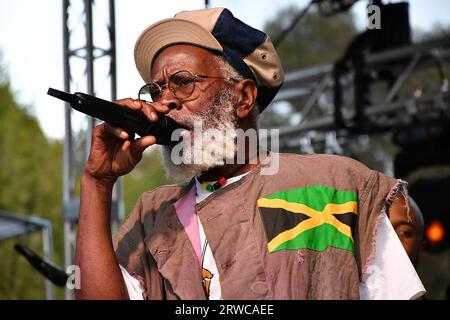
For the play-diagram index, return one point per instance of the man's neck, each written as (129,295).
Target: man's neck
(229,170)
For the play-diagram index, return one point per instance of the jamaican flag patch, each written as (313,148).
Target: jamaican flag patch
(314,217)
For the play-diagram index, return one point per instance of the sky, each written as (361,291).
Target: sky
(31,49)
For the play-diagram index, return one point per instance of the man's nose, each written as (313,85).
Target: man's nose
(169,100)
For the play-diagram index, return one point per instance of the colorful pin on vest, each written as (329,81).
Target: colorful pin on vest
(217,185)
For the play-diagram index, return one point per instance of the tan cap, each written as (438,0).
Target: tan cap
(248,50)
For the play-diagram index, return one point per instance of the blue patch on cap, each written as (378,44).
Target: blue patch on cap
(238,40)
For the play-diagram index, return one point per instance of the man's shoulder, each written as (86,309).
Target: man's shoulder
(326,169)
(322,161)
(332,170)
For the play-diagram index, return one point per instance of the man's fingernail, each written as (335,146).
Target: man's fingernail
(153,115)
(124,135)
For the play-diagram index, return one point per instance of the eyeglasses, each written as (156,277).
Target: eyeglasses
(181,85)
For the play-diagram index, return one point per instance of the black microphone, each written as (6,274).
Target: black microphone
(52,273)
(129,120)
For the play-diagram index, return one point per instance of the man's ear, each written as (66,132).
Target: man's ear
(247,93)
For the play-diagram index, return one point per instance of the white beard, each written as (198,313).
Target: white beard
(213,149)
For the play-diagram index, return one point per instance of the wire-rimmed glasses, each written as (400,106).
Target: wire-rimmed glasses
(181,85)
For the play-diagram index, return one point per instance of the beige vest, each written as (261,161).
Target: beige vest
(292,235)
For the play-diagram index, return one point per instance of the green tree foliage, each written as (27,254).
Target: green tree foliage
(314,40)
(30,180)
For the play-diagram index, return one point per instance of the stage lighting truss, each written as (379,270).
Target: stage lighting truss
(419,89)
(89,66)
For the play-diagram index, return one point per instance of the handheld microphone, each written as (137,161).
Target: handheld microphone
(55,275)
(129,120)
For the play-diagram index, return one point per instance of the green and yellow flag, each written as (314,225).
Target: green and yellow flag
(315,217)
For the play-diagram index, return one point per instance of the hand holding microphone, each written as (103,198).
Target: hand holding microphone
(130,120)
(113,150)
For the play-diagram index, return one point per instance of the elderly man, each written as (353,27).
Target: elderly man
(315,228)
